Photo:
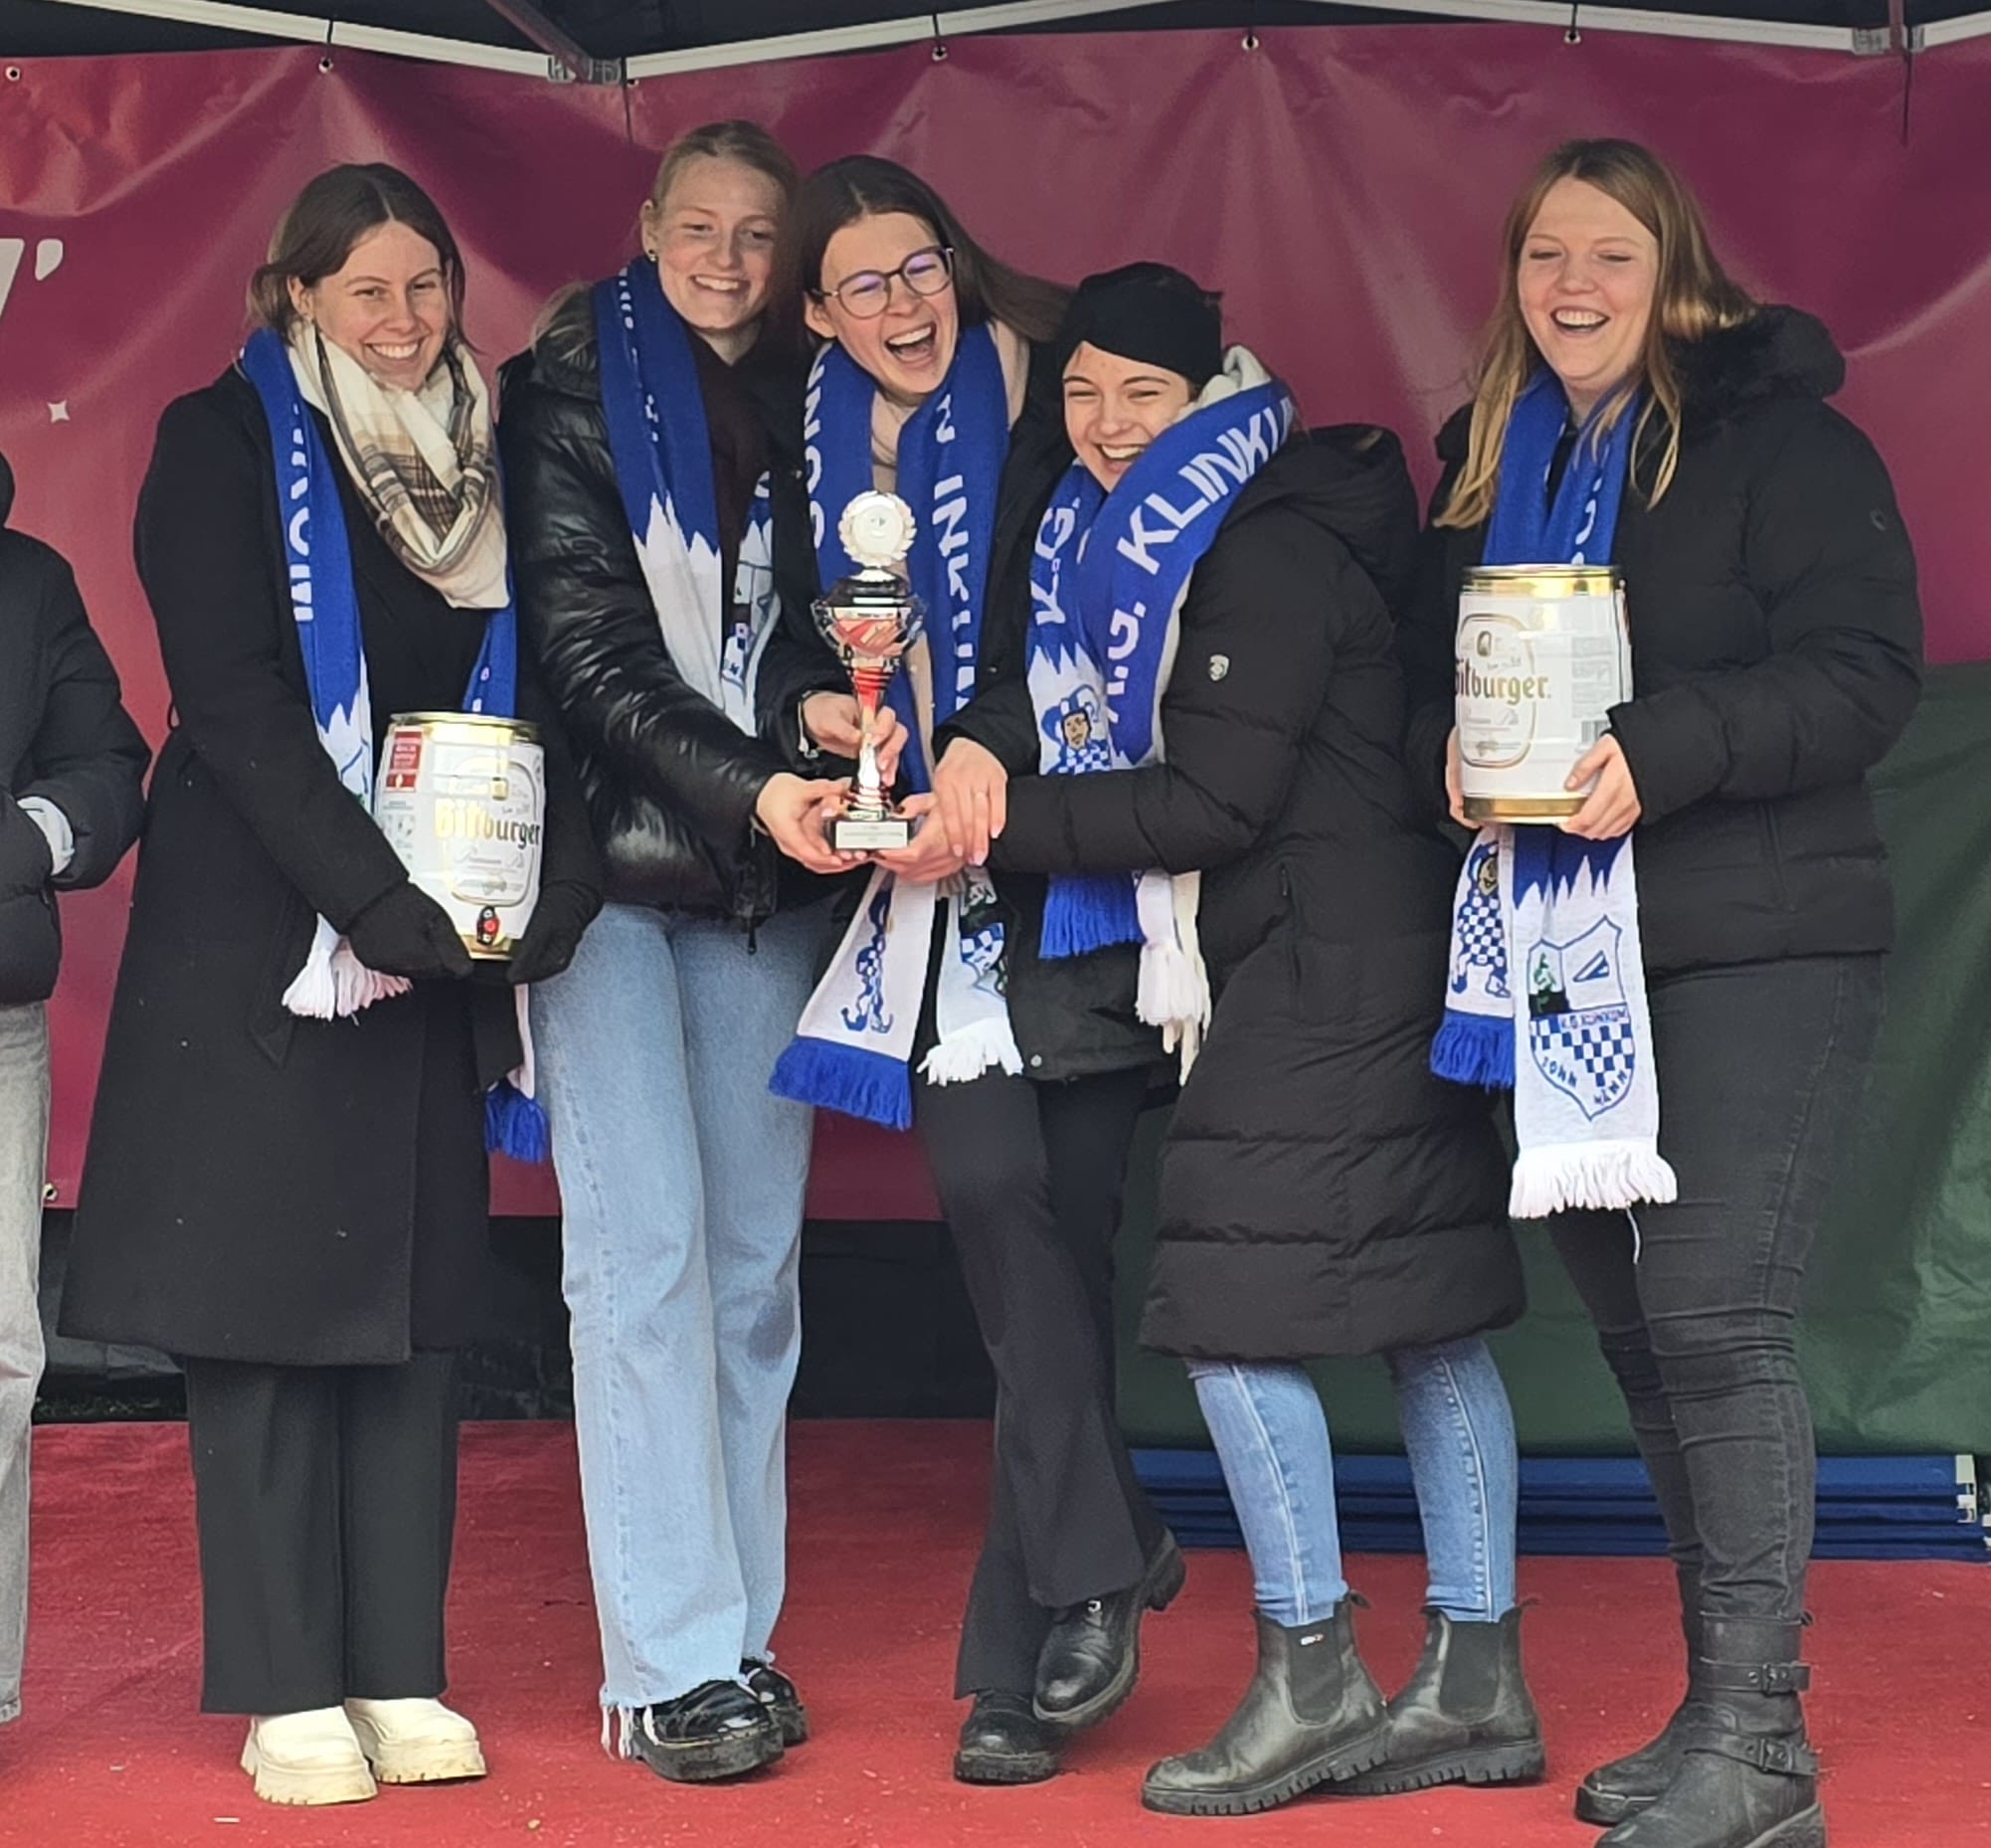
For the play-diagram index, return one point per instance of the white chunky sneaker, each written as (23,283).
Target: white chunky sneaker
(308,1758)
(416,1742)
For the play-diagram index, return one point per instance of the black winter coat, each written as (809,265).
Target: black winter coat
(1776,656)
(1072,1018)
(63,736)
(1321,1191)
(671,781)
(261,1187)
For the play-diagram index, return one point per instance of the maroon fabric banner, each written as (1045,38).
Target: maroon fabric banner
(1343,186)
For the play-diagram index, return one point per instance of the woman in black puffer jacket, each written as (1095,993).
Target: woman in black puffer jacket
(1322,1192)
(682,1177)
(1775,652)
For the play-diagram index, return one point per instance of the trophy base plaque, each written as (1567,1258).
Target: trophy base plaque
(852,833)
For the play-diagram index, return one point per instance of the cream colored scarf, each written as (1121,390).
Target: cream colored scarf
(423,461)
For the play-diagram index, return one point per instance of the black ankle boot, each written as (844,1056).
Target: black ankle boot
(1747,1778)
(1639,1779)
(1003,1742)
(1464,1716)
(1310,1714)
(1092,1656)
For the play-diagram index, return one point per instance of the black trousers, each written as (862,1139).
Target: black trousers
(326,1503)
(1762,1068)
(1030,1178)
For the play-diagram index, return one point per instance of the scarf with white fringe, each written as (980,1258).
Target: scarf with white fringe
(1561,910)
(852,1050)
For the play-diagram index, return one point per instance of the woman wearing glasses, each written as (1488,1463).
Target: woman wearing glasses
(936,381)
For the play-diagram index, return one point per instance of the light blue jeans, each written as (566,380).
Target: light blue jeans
(682,1179)
(1271,1437)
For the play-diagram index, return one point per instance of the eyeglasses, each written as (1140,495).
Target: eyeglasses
(865,296)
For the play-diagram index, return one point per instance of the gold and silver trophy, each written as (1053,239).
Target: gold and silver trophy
(870,618)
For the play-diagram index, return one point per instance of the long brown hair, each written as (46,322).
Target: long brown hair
(328,218)
(869,186)
(1692,296)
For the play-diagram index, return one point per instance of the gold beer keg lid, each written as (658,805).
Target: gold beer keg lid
(1544,581)
(469,727)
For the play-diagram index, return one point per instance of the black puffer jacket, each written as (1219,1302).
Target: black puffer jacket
(1321,1191)
(671,781)
(65,737)
(1777,654)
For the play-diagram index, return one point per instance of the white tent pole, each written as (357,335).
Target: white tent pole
(873,37)
(1024,13)
(1955,31)
(1558,13)
(224,16)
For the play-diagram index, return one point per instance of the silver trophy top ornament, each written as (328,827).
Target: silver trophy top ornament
(877,530)
(870,618)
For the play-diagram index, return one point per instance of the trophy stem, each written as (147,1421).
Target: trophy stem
(869,684)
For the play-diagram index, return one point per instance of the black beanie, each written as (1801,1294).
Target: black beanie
(1149,312)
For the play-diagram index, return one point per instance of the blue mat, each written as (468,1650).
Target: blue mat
(1868,1507)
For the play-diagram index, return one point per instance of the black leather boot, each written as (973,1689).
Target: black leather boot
(1092,1657)
(1003,1742)
(1310,1714)
(1464,1716)
(1639,1779)
(1747,1778)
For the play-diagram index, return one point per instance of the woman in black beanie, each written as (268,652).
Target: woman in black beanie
(1211,575)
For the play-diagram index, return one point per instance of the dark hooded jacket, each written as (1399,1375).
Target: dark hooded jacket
(1776,656)
(65,737)
(1321,1191)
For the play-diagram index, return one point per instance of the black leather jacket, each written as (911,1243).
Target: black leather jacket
(670,782)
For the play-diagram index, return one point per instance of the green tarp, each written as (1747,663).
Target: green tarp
(1897,1336)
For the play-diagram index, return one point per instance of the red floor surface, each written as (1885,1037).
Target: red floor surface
(112,1749)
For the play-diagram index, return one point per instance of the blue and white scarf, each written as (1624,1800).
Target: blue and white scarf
(1559,910)
(662,450)
(1107,587)
(324,604)
(852,1050)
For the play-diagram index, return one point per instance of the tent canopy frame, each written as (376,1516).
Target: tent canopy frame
(559,57)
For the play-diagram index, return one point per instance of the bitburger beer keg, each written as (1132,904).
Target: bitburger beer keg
(462,798)
(1544,655)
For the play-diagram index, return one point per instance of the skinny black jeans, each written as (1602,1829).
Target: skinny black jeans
(1761,1067)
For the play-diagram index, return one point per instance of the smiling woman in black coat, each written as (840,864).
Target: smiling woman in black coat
(298,1208)
(1322,1194)
(1776,657)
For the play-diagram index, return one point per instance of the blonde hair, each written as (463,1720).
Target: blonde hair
(747,142)
(1692,296)
(563,327)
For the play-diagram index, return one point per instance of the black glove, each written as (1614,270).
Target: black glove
(563,913)
(405,931)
